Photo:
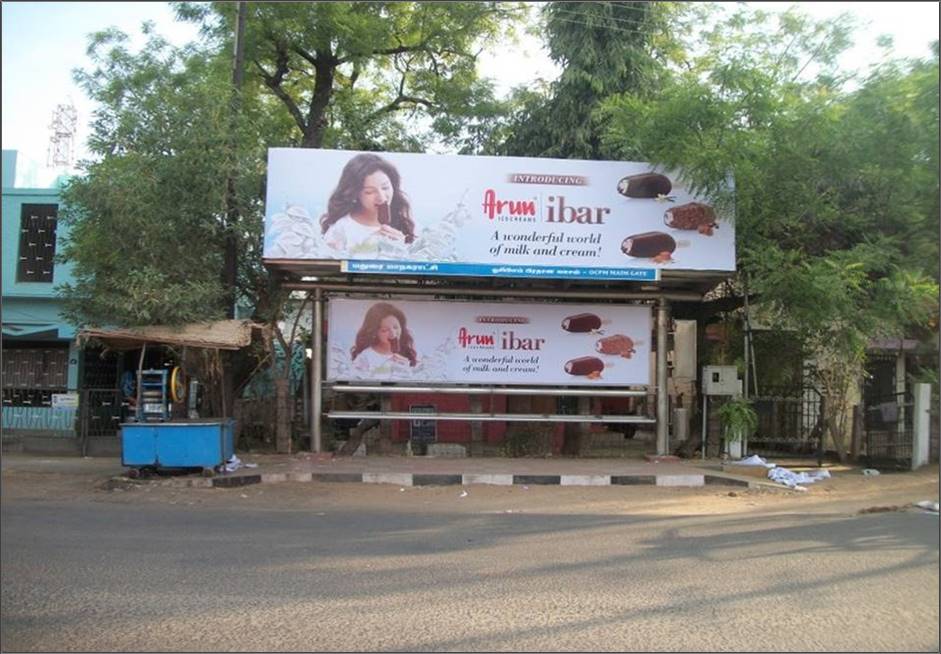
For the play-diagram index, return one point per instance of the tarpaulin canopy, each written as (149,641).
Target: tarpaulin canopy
(220,334)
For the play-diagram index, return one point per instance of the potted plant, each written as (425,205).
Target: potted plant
(739,421)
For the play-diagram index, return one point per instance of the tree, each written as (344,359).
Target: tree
(149,215)
(835,191)
(360,75)
(603,48)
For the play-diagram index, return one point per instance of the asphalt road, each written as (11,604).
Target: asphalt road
(429,570)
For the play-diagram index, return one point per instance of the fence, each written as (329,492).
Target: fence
(256,422)
(889,434)
(40,411)
(789,422)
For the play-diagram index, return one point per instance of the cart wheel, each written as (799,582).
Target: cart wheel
(209,472)
(133,473)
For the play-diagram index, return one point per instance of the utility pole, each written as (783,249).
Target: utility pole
(230,241)
(230,260)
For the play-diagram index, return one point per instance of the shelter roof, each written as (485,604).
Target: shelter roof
(219,334)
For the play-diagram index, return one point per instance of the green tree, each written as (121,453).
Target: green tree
(835,191)
(603,48)
(364,75)
(149,216)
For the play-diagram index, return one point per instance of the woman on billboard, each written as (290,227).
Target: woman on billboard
(384,344)
(367,208)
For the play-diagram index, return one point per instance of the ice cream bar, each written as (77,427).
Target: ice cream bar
(645,185)
(616,344)
(690,216)
(648,244)
(384,214)
(583,366)
(581,322)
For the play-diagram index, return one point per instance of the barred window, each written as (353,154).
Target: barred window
(37,242)
(31,374)
(34,367)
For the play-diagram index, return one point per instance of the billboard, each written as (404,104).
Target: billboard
(423,214)
(415,341)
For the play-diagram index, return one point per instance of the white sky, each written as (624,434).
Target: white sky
(43,41)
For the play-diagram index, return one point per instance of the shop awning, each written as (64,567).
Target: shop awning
(220,334)
(32,332)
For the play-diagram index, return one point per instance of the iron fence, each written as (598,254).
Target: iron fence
(888,424)
(789,422)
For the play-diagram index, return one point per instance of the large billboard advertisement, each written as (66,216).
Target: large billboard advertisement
(422,214)
(414,341)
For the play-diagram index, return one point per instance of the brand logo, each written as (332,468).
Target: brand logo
(508,209)
(466,339)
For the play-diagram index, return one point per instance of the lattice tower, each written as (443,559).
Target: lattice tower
(62,135)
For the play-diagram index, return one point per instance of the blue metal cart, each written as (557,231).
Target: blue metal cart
(205,444)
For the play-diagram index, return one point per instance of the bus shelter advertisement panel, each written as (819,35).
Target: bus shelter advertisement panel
(488,343)
(488,216)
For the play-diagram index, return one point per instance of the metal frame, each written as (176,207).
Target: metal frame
(487,390)
(492,417)
(662,319)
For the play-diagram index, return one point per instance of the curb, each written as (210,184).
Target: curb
(419,479)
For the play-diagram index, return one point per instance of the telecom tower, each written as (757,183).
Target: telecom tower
(62,137)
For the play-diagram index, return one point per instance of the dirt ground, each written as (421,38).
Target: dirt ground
(846,492)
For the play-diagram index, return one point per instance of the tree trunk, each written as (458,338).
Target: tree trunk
(283,416)
(316,126)
(836,435)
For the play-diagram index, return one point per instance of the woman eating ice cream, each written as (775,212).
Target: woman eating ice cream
(384,345)
(367,209)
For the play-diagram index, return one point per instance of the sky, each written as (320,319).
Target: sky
(43,42)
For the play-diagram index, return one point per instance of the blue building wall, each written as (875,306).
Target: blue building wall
(31,322)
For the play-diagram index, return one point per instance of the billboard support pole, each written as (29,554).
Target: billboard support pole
(316,375)
(663,317)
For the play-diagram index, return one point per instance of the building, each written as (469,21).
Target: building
(40,358)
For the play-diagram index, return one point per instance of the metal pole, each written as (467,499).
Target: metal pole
(316,375)
(230,253)
(522,293)
(663,315)
(705,424)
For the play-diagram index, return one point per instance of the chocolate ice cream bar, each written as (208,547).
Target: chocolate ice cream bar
(648,244)
(581,322)
(615,344)
(645,185)
(690,216)
(583,366)
(384,214)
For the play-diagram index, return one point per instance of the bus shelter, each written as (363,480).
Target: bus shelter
(493,276)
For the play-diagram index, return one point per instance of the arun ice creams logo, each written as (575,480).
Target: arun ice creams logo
(467,339)
(517,210)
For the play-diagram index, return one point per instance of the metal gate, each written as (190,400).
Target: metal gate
(101,411)
(888,423)
(789,422)
(102,406)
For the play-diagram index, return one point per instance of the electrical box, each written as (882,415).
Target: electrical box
(721,380)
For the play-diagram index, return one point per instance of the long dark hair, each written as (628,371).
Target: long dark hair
(366,336)
(345,197)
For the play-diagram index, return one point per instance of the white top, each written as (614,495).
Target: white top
(373,363)
(348,236)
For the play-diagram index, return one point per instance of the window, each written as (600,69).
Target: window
(31,374)
(37,242)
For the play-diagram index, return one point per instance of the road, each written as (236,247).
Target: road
(313,567)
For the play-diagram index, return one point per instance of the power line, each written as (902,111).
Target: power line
(602,19)
(613,29)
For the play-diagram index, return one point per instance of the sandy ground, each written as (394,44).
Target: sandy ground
(846,492)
